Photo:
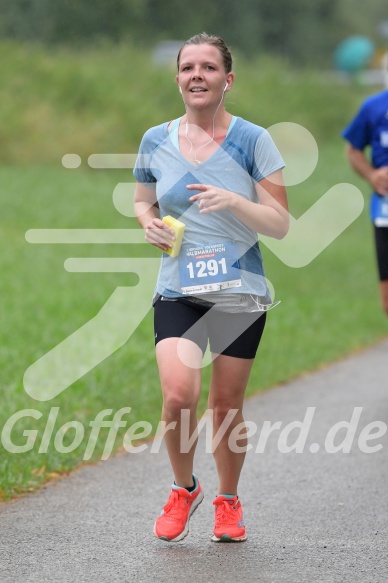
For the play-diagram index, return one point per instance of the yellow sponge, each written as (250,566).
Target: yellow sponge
(178,228)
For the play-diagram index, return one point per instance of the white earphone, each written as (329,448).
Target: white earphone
(226,86)
(180,89)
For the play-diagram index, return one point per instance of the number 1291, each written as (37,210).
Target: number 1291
(204,268)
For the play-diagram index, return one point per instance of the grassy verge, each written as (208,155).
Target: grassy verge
(60,102)
(104,99)
(328,309)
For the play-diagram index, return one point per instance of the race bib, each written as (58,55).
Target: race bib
(384,139)
(379,210)
(209,268)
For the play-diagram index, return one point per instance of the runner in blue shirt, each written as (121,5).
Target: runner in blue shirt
(369,128)
(221,176)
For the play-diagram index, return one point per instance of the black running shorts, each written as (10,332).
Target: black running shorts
(381,240)
(231,334)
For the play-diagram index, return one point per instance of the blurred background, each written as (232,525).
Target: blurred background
(93,75)
(82,77)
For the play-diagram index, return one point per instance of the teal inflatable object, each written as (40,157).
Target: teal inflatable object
(353,54)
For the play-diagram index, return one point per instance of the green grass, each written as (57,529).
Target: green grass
(102,101)
(328,309)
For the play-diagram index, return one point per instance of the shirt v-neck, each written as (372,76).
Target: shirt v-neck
(174,137)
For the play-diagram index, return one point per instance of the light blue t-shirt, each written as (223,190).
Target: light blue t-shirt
(219,252)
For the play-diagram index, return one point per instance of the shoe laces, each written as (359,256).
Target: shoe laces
(225,511)
(175,503)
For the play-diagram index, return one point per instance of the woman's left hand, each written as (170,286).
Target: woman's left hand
(211,198)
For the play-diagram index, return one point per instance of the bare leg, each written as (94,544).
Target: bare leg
(181,387)
(229,380)
(384,295)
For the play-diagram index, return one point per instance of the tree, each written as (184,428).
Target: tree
(302,31)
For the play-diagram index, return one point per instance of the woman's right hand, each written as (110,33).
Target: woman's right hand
(159,234)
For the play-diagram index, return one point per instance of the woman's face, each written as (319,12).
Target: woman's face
(202,76)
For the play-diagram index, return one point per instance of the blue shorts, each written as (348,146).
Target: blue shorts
(231,334)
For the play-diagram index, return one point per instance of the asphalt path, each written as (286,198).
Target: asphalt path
(315,498)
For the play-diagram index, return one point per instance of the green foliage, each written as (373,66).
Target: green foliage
(53,103)
(328,308)
(305,32)
(103,100)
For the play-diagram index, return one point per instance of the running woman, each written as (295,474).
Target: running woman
(221,176)
(369,128)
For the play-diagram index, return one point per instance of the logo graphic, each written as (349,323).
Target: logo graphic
(123,311)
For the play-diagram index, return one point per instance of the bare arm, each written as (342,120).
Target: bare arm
(147,213)
(270,217)
(377,177)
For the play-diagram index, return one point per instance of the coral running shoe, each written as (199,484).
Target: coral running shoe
(228,520)
(173,523)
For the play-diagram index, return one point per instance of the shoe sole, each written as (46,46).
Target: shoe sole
(226,538)
(185,532)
